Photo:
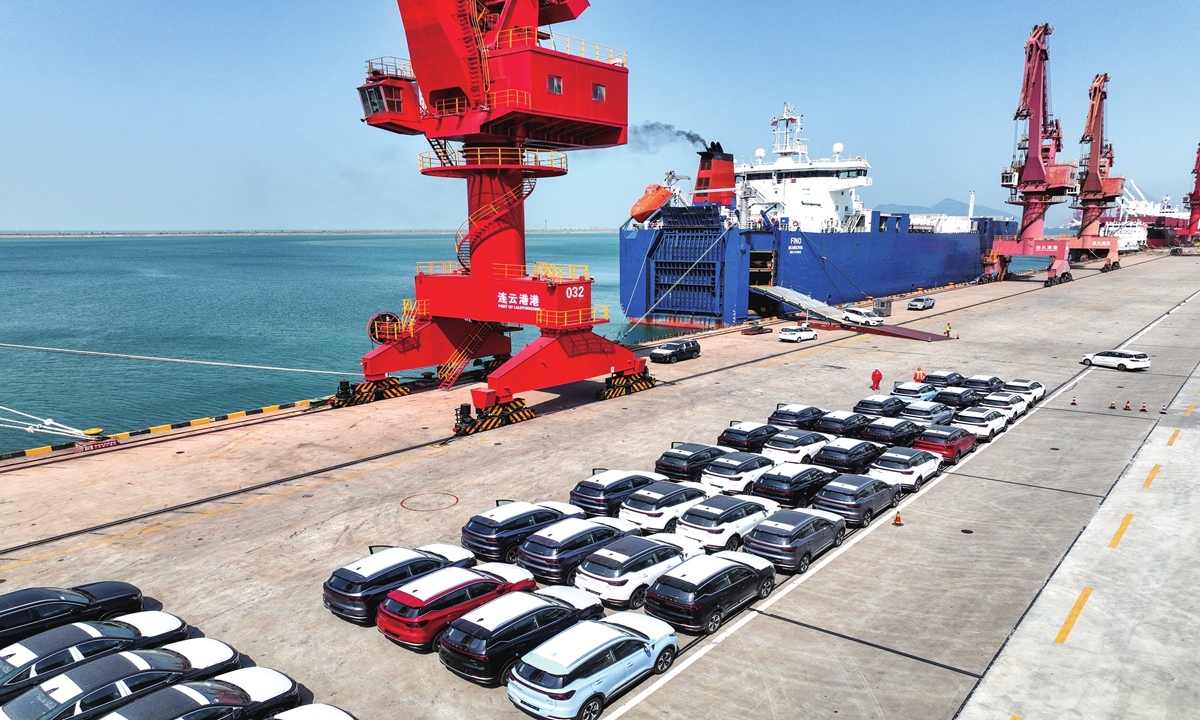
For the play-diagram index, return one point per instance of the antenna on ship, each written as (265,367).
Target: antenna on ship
(788,127)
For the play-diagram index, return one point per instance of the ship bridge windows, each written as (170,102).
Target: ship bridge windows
(778,176)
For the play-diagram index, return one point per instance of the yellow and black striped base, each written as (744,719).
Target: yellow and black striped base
(503,414)
(370,391)
(622,385)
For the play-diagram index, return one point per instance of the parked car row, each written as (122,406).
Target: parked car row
(92,652)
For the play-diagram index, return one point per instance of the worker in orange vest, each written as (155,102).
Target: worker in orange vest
(876,378)
(919,375)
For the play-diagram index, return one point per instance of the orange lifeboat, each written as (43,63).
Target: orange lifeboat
(654,198)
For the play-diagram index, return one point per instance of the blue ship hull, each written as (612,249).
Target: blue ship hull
(693,269)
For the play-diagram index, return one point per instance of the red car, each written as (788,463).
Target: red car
(949,442)
(415,614)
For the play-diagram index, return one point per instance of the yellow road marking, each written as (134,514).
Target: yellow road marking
(200,421)
(1173,436)
(1071,618)
(160,428)
(1014,717)
(1120,531)
(1190,409)
(1150,478)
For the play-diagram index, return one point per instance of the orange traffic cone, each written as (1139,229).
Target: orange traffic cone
(897,520)
(1163,411)
(1127,405)
(1143,408)
(1112,405)
(1073,400)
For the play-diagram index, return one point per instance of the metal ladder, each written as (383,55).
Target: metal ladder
(484,216)
(452,369)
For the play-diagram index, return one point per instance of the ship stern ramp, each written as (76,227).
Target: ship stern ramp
(791,301)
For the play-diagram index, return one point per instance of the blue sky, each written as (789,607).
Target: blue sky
(223,115)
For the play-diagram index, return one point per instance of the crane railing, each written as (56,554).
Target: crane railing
(571,318)
(539,271)
(517,157)
(390,67)
(525,36)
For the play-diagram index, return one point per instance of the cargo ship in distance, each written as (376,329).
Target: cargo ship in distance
(762,237)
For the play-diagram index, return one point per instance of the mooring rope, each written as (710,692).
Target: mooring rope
(172,360)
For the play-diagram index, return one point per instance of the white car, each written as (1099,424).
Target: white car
(720,523)
(905,467)
(1031,390)
(795,446)
(986,423)
(913,391)
(736,472)
(316,711)
(1011,405)
(797,333)
(659,507)
(620,573)
(1119,359)
(855,316)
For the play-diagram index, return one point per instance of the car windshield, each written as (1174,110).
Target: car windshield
(29,705)
(675,589)
(835,496)
(965,420)
(637,503)
(701,519)
(1141,356)
(481,528)
(915,412)
(910,392)
(671,347)
(541,678)
(341,584)
(771,536)
(1016,388)
(829,424)
(722,470)
(533,547)
(995,402)
(588,490)
(601,567)
(220,693)
(873,404)
(399,609)
(673,460)
(784,442)
(891,464)
(935,439)
(463,639)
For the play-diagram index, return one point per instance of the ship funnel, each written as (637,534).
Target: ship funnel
(714,179)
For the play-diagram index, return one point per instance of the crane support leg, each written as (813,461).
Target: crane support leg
(430,344)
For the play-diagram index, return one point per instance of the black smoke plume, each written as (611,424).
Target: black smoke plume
(650,136)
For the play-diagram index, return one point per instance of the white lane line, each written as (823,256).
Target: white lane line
(829,557)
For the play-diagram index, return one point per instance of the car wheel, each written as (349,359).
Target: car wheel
(1087,361)
(765,586)
(591,709)
(508,671)
(665,660)
(511,555)
(895,500)
(803,566)
(917,485)
(839,538)
(733,542)
(572,575)
(1122,367)
(674,360)
(637,598)
(866,517)
(712,623)
(696,355)
(671,525)
(956,458)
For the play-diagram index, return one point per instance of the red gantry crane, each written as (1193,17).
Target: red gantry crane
(1192,202)
(484,75)
(1037,178)
(1098,187)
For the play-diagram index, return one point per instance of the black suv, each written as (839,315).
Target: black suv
(686,461)
(849,455)
(792,538)
(747,436)
(797,416)
(892,431)
(842,423)
(984,384)
(486,643)
(880,406)
(353,592)
(32,610)
(958,398)
(944,378)
(553,554)
(792,485)
(675,351)
(605,490)
(496,534)
(700,593)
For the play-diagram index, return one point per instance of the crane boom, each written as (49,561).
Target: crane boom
(1098,189)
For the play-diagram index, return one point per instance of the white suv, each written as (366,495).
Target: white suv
(855,316)
(620,573)
(736,472)
(1119,359)
(797,333)
(720,523)
(659,507)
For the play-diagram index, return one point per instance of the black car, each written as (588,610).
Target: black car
(97,687)
(792,484)
(55,651)
(605,490)
(849,455)
(984,384)
(496,534)
(790,539)
(892,431)
(944,378)
(487,642)
(842,423)
(700,593)
(553,554)
(353,592)
(958,398)
(686,461)
(797,416)
(747,436)
(795,445)
(32,610)
(857,498)
(238,695)
(880,406)
(673,352)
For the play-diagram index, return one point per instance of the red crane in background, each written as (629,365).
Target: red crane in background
(1037,179)
(1192,202)
(514,96)
(1098,187)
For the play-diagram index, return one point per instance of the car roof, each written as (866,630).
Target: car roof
(438,582)
(877,398)
(566,649)
(888,422)
(838,414)
(627,548)
(493,614)
(376,563)
(1019,381)
(923,405)
(845,443)
(503,513)
(1003,396)
(912,385)
(901,453)
(941,373)
(736,458)
(720,503)
(983,377)
(796,408)
(658,490)
(791,470)
(786,520)
(565,529)
(747,426)
(976,411)
(689,449)
(611,477)
(21,598)
(940,430)
(954,390)
(797,433)
(850,482)
(698,569)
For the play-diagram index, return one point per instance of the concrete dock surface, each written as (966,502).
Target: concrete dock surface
(911,621)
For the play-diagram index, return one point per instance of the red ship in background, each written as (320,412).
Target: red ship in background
(485,75)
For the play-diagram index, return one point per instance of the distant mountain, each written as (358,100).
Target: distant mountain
(948,206)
